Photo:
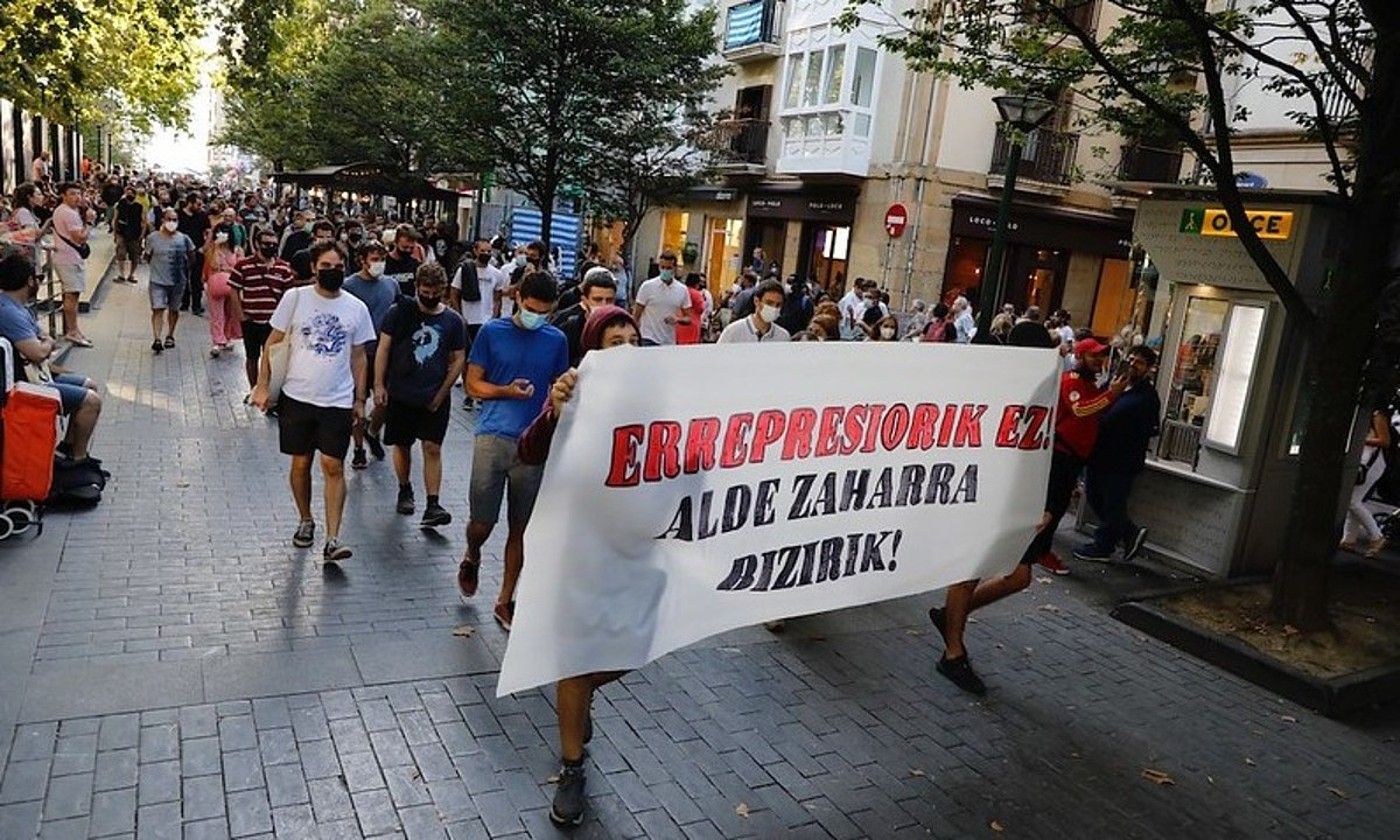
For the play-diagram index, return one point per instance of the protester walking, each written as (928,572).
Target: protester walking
(129,230)
(421,352)
(379,295)
(762,325)
(662,304)
(169,253)
(477,289)
(324,390)
(1125,435)
(1360,522)
(257,284)
(220,258)
(512,364)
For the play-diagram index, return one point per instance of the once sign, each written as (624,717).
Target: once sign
(1214,221)
(896,219)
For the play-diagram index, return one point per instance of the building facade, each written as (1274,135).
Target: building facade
(825,132)
(24,135)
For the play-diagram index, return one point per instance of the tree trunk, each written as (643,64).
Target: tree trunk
(1337,357)
(547,221)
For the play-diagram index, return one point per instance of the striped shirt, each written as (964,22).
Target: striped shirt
(261,286)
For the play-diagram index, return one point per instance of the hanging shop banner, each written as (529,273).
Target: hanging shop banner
(676,504)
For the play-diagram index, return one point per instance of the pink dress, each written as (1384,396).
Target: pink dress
(222,327)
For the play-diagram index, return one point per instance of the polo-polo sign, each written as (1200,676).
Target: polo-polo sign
(1214,221)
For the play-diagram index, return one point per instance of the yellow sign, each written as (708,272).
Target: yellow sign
(1269,224)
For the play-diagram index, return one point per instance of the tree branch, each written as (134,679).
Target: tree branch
(1324,55)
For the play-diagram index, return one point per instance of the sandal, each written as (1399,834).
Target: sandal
(169,341)
(157,346)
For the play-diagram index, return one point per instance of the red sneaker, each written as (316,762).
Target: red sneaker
(1051,561)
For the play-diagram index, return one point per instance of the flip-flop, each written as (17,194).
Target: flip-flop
(169,341)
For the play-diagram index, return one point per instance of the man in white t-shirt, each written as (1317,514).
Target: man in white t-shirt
(324,392)
(491,285)
(852,306)
(70,233)
(761,326)
(661,304)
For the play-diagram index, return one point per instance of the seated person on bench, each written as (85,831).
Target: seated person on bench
(77,394)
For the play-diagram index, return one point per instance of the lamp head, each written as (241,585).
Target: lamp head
(1024,113)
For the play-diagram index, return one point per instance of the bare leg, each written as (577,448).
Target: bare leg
(991,591)
(333,470)
(956,610)
(70,314)
(376,419)
(156,316)
(515,562)
(172,316)
(301,485)
(477,535)
(432,468)
(403,463)
(574,697)
(81,425)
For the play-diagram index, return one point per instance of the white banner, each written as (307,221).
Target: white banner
(693,490)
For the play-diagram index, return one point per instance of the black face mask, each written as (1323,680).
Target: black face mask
(483,259)
(354,236)
(330,279)
(429,304)
(267,249)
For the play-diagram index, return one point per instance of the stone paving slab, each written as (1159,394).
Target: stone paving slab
(174,669)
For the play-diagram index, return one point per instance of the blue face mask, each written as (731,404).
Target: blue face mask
(532,320)
(667,275)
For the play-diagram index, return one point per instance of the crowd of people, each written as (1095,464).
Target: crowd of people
(356,327)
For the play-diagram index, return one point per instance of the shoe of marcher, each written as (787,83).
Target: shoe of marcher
(1052,562)
(1092,554)
(305,535)
(504,614)
(157,347)
(335,551)
(569,800)
(959,672)
(468,574)
(1135,544)
(214,352)
(376,447)
(775,626)
(434,516)
(358,460)
(405,503)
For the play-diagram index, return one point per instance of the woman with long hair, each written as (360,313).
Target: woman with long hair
(220,256)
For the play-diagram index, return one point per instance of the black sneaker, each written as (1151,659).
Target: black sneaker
(1092,554)
(960,672)
(569,802)
(359,462)
(376,448)
(405,503)
(305,535)
(1134,545)
(434,516)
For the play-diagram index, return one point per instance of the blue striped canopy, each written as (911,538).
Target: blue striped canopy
(565,229)
(745,25)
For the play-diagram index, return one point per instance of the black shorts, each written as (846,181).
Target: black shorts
(304,428)
(404,424)
(1064,477)
(255,335)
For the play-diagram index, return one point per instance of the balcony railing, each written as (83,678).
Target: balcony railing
(1045,155)
(738,143)
(752,31)
(1145,163)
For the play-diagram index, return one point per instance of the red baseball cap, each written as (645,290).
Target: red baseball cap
(1089,347)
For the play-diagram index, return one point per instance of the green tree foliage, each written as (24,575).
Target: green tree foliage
(1159,70)
(131,62)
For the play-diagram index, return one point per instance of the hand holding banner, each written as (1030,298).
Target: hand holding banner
(690,491)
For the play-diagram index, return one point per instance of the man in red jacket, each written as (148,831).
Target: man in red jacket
(1082,404)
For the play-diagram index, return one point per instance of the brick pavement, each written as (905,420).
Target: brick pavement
(175,669)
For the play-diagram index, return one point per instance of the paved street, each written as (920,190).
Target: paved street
(173,668)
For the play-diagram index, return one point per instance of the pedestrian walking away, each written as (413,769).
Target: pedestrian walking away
(512,364)
(324,390)
(421,352)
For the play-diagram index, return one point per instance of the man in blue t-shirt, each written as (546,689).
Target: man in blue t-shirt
(378,295)
(512,365)
(422,350)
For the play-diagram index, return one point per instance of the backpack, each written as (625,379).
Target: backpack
(471,282)
(937,332)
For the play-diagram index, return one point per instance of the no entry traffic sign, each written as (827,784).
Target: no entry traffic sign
(896,218)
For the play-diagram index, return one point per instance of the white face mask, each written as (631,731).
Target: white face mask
(171,226)
(221,238)
(769,314)
(887,333)
(520,259)
(376,268)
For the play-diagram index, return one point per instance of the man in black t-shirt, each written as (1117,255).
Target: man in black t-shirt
(401,265)
(194,223)
(422,351)
(129,226)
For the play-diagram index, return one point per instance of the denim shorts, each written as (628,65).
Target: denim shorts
(166,297)
(71,391)
(497,471)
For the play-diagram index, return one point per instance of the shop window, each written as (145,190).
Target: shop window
(863,82)
(675,227)
(962,272)
(1193,379)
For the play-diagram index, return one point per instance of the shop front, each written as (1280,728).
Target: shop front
(706,232)
(1056,258)
(806,232)
(1219,478)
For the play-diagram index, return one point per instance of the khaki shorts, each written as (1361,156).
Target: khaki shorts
(73,278)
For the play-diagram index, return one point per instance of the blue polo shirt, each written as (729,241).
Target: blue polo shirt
(507,352)
(16,324)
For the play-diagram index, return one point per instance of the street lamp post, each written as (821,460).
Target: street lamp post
(1023,114)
